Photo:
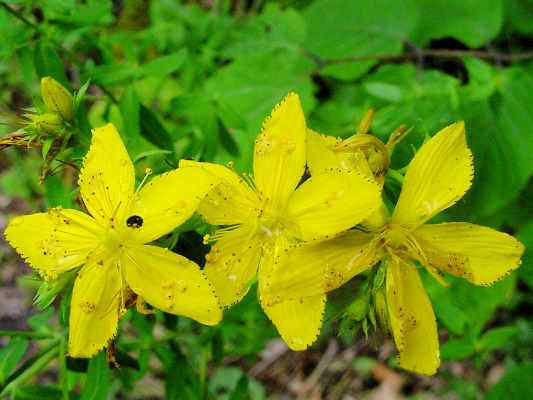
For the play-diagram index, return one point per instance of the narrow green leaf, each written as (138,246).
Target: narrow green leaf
(10,357)
(154,131)
(98,379)
(41,392)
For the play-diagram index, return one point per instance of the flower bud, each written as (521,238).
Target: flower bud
(57,99)
(44,124)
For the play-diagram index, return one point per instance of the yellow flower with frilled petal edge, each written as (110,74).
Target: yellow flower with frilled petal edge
(109,244)
(438,176)
(270,213)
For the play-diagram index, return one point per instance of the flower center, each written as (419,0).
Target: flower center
(398,240)
(111,241)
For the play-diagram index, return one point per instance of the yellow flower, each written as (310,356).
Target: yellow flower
(109,244)
(271,213)
(438,176)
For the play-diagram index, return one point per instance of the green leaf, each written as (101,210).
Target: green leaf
(253,85)
(458,349)
(273,29)
(503,146)
(473,22)
(520,14)
(32,392)
(465,308)
(10,356)
(182,382)
(57,193)
(515,384)
(165,65)
(153,131)
(130,108)
(98,379)
(338,29)
(526,269)
(497,338)
(80,94)
(241,390)
(47,144)
(48,63)
(229,382)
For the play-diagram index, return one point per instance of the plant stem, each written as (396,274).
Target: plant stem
(29,334)
(34,367)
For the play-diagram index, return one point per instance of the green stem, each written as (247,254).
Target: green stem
(29,334)
(34,366)
(63,378)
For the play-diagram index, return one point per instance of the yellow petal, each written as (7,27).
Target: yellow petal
(232,263)
(279,154)
(479,254)
(412,319)
(321,156)
(166,202)
(318,267)
(298,321)
(330,203)
(170,283)
(438,176)
(94,308)
(55,241)
(231,202)
(327,153)
(107,178)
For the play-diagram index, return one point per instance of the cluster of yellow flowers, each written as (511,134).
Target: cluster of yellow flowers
(301,240)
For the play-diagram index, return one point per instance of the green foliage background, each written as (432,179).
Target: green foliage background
(196,79)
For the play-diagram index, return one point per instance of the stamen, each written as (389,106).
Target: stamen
(147,173)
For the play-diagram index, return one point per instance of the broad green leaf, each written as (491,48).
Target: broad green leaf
(97,383)
(473,22)
(10,356)
(273,29)
(252,86)
(337,29)
(465,308)
(502,129)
